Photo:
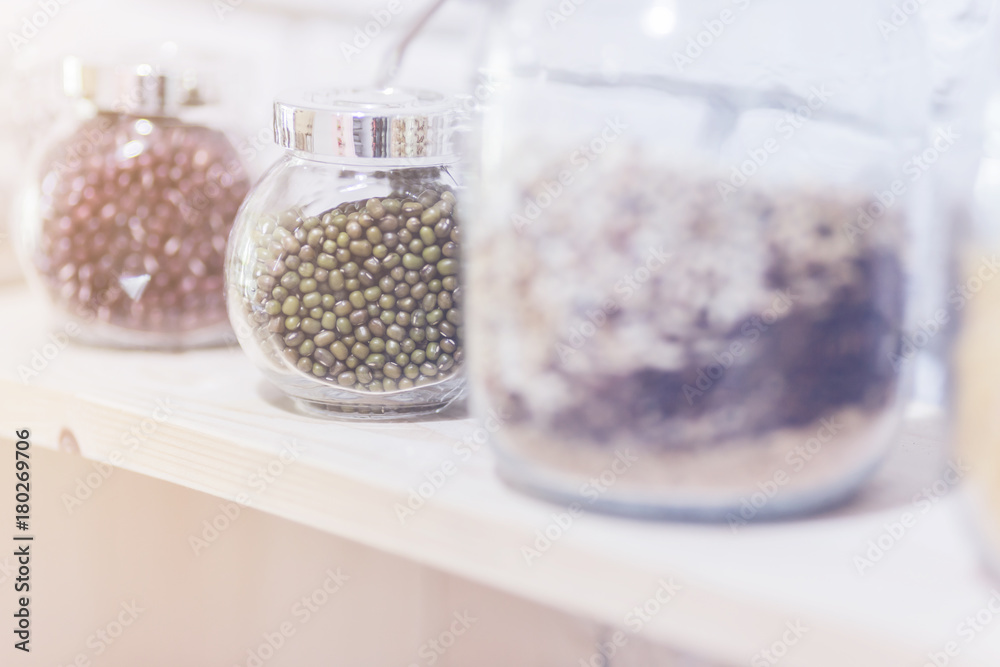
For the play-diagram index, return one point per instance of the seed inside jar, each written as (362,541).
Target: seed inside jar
(741,321)
(134,234)
(363,296)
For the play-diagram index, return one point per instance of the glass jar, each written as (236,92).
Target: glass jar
(125,221)
(962,43)
(975,300)
(689,268)
(343,269)
(18,125)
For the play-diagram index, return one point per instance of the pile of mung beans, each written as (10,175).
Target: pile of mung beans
(365,296)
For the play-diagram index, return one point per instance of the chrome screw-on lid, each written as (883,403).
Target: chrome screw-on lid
(389,123)
(136,89)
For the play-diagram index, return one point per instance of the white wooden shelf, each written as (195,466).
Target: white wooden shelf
(739,589)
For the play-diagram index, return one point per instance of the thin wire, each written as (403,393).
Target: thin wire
(390,62)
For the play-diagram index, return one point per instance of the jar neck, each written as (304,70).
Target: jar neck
(131,115)
(373,164)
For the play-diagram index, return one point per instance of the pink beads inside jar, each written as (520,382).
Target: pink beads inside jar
(135,214)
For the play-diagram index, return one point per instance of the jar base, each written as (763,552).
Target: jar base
(445,400)
(719,498)
(389,413)
(102,335)
(677,509)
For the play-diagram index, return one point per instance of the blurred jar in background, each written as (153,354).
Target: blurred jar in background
(962,38)
(977,296)
(20,123)
(690,263)
(8,163)
(127,215)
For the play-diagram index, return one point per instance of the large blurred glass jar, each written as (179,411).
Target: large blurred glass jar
(126,219)
(343,276)
(689,269)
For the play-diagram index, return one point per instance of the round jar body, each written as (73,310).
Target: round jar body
(689,277)
(344,285)
(125,228)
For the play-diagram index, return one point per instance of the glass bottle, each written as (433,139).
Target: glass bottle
(974,300)
(689,272)
(343,270)
(125,220)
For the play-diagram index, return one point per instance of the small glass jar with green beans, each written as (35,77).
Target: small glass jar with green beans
(343,280)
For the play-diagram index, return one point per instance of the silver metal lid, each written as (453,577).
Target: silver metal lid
(390,123)
(136,89)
